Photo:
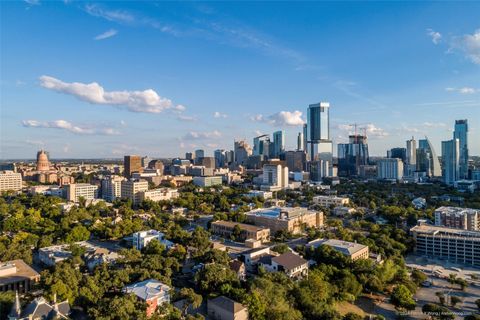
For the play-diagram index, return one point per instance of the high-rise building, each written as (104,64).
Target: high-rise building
(131,189)
(427,159)
(390,169)
(157,165)
(10,181)
(300,146)
(42,161)
(296,160)
(399,153)
(461,133)
(319,145)
(189,156)
(278,143)
(199,153)
(275,175)
(411,161)
(352,155)
(450,161)
(261,145)
(241,151)
(220,157)
(112,188)
(132,163)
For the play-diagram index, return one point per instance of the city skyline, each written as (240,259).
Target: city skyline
(128,82)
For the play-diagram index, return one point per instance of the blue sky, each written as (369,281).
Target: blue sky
(104,79)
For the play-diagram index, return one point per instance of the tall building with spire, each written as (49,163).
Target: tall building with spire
(461,133)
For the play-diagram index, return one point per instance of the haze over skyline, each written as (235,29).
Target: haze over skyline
(95,80)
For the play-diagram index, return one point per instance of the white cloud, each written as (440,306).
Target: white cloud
(436,36)
(186,118)
(469,44)
(197,135)
(464,90)
(107,34)
(218,115)
(369,129)
(68,126)
(147,101)
(110,15)
(281,119)
(434,124)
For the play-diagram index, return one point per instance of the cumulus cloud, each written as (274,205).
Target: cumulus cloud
(198,135)
(281,119)
(469,44)
(107,34)
(434,124)
(464,90)
(68,126)
(218,115)
(147,101)
(436,36)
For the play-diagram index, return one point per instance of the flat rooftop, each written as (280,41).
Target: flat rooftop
(277,212)
(444,231)
(244,226)
(457,210)
(345,247)
(23,271)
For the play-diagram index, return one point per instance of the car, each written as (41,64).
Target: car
(426,284)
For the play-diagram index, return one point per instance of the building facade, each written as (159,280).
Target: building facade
(458,218)
(319,145)
(327,201)
(390,169)
(450,161)
(246,231)
(132,163)
(131,189)
(10,181)
(461,133)
(288,219)
(455,245)
(87,191)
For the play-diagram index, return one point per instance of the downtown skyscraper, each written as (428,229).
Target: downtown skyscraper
(319,145)
(461,133)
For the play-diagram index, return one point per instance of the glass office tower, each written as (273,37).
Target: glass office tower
(319,145)
(461,133)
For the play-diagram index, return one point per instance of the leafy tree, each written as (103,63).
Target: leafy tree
(6,301)
(192,299)
(281,248)
(418,276)
(78,233)
(352,316)
(437,312)
(441,297)
(402,298)
(454,300)
(213,276)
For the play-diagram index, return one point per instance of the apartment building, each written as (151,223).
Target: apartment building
(247,231)
(75,191)
(10,181)
(327,201)
(132,189)
(456,245)
(458,218)
(293,220)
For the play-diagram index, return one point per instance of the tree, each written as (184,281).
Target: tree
(192,299)
(418,276)
(352,316)
(437,312)
(237,231)
(281,248)
(78,233)
(454,300)
(213,276)
(256,306)
(441,297)
(402,298)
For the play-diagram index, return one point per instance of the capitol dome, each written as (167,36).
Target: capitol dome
(42,161)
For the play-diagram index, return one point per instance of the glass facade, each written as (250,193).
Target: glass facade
(461,133)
